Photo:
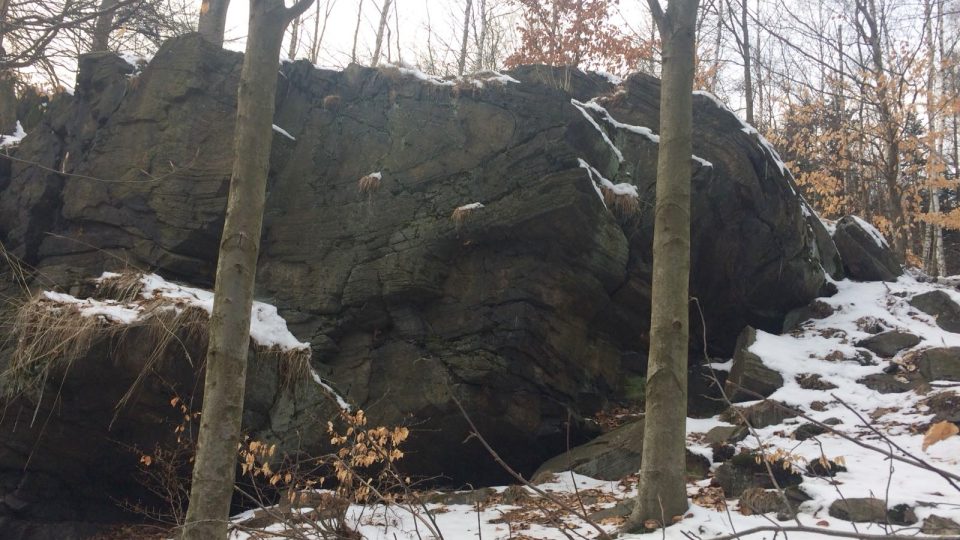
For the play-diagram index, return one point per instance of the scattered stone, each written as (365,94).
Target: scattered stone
(941,526)
(749,379)
(760,501)
(866,255)
(726,434)
(747,470)
(886,383)
(514,495)
(833,421)
(870,510)
(818,309)
(945,407)
(870,325)
(818,406)
(821,468)
(723,452)
(812,381)
(940,364)
(760,415)
(941,306)
(808,431)
(888,344)
(611,456)
(620,510)
(468,497)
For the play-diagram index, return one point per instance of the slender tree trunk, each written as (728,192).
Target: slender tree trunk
(356,32)
(747,72)
(215,467)
(462,65)
(4,8)
(478,63)
(384,13)
(213,20)
(294,39)
(662,490)
(103,26)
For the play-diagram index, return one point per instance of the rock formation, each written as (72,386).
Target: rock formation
(530,307)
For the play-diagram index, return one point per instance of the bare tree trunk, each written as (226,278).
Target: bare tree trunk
(229,342)
(4,9)
(356,32)
(384,13)
(662,490)
(478,63)
(319,31)
(396,24)
(747,73)
(461,66)
(213,20)
(103,26)
(294,39)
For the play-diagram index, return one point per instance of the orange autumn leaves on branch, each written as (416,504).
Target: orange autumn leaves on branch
(578,33)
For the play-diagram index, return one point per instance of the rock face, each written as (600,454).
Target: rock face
(865,254)
(530,309)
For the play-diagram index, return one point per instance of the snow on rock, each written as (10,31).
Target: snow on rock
(816,348)
(606,138)
(471,206)
(283,132)
(872,231)
(267,328)
(600,183)
(13,139)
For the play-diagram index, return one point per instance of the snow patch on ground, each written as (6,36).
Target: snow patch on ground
(900,417)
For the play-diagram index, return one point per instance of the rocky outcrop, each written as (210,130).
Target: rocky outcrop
(531,309)
(865,253)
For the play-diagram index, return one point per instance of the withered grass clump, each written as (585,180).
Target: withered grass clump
(623,205)
(48,335)
(369,183)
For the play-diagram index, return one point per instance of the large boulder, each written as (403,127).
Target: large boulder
(940,305)
(940,364)
(749,378)
(865,253)
(888,344)
(531,308)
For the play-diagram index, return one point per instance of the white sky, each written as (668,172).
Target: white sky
(338,40)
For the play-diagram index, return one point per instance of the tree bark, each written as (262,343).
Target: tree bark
(747,70)
(213,20)
(103,26)
(215,467)
(384,13)
(662,490)
(356,32)
(478,63)
(462,65)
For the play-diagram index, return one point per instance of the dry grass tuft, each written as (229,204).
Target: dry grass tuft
(624,206)
(369,183)
(49,335)
(462,213)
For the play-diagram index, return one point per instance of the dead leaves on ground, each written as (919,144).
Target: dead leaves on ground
(938,432)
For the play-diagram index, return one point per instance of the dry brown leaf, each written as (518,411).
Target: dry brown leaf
(939,432)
